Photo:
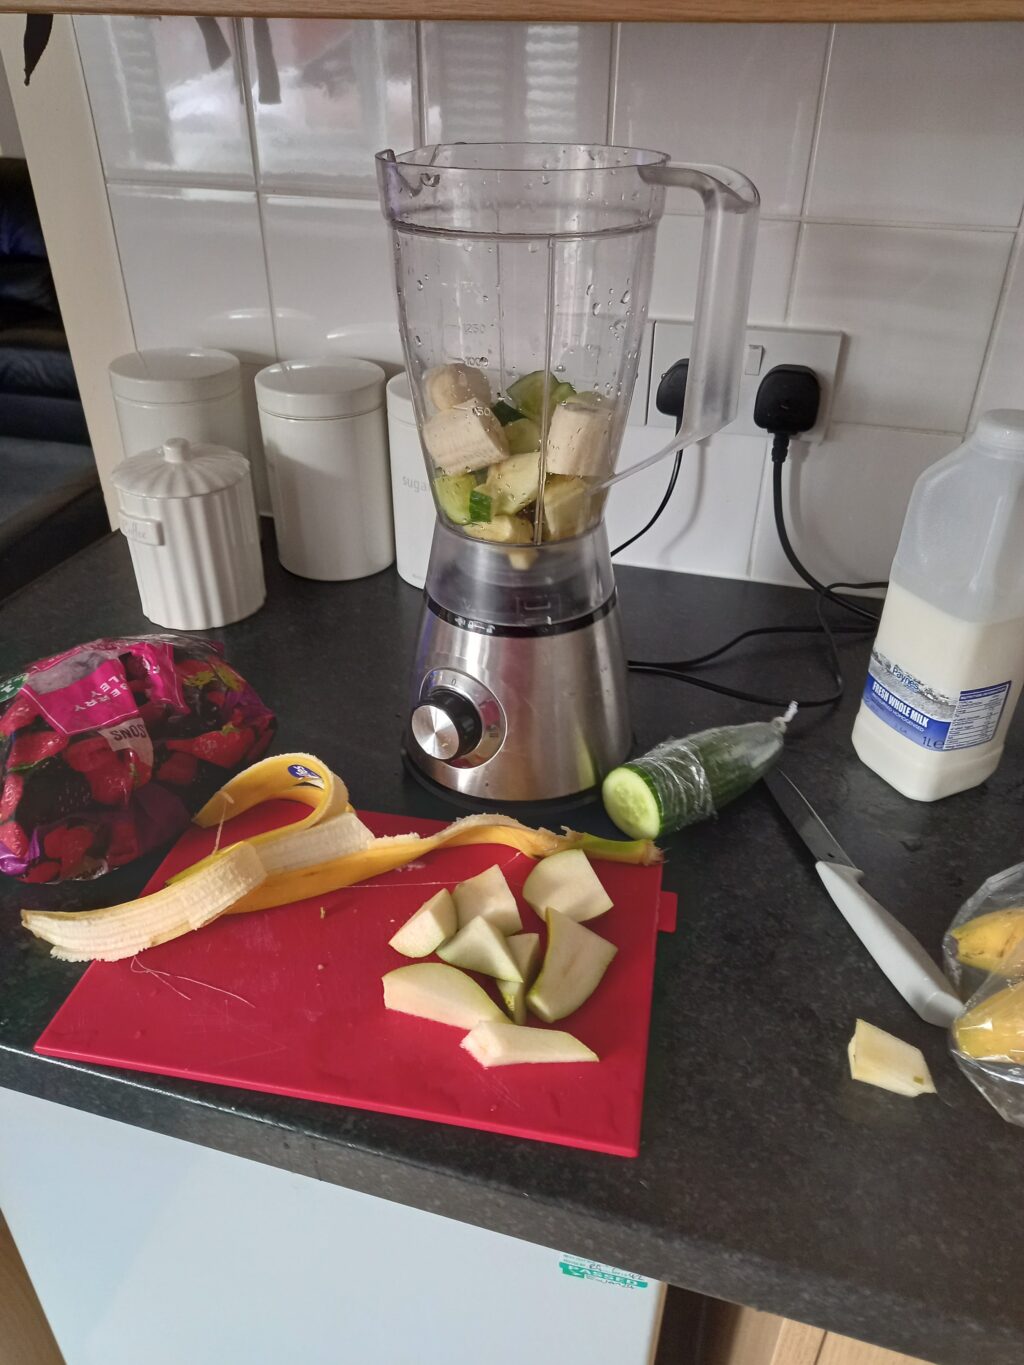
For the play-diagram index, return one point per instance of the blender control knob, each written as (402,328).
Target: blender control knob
(446,724)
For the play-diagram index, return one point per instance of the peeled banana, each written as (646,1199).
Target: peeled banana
(124,930)
(465,437)
(992,940)
(994,1029)
(449,385)
(579,436)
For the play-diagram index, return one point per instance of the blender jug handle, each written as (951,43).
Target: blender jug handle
(723,294)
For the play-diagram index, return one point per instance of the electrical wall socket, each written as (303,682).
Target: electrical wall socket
(766,347)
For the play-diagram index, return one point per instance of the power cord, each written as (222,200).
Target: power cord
(670,398)
(786,405)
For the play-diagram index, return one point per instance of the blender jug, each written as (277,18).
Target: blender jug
(523,273)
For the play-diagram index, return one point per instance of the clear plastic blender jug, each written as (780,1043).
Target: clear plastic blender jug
(523,273)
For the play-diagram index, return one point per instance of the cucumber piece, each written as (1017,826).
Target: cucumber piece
(453,492)
(505,413)
(480,506)
(528,392)
(684,781)
(523,437)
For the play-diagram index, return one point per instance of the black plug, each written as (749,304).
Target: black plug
(787,403)
(671,396)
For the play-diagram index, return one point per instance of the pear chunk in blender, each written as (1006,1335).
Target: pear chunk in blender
(465,437)
(499,1043)
(431,990)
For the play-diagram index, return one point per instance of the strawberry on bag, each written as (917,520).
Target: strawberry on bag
(108,749)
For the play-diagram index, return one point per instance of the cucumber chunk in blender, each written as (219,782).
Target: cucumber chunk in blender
(453,494)
(528,392)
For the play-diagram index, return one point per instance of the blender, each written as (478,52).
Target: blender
(523,273)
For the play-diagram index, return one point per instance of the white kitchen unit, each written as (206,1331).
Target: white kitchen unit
(145,1248)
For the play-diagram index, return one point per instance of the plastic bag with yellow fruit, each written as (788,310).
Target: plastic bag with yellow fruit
(984,952)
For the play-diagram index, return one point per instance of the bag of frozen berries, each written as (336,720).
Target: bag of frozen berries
(107,751)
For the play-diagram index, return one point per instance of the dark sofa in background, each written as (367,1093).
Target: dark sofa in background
(50,499)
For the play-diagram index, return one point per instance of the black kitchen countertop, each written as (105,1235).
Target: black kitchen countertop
(766,1175)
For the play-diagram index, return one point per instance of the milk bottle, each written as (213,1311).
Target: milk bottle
(948,660)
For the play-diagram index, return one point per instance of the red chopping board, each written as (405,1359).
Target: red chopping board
(289,1001)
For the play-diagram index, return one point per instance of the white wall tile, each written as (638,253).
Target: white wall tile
(674,287)
(917,306)
(1003,384)
(195,275)
(166,97)
(328,94)
(845,501)
(515,82)
(742,95)
(331,279)
(923,123)
(708,524)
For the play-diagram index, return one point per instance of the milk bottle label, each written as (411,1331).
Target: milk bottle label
(927,716)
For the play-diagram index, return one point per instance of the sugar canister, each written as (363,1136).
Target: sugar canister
(325,440)
(189,516)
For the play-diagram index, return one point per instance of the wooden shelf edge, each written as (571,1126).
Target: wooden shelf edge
(561,11)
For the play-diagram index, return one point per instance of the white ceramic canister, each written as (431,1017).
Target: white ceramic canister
(180,391)
(189,516)
(411,499)
(325,441)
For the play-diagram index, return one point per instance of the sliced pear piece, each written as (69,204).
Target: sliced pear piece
(566,507)
(502,530)
(488,894)
(427,928)
(525,949)
(479,946)
(499,1043)
(877,1058)
(567,882)
(574,963)
(431,990)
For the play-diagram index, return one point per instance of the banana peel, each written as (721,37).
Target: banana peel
(235,879)
(990,941)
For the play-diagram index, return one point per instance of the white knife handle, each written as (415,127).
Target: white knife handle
(895,950)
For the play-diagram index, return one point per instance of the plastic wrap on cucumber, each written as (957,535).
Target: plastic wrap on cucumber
(684,781)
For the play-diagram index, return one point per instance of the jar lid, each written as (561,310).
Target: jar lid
(178,374)
(1003,428)
(180,470)
(339,387)
(400,398)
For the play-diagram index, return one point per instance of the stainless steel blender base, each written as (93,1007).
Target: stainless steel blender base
(522,714)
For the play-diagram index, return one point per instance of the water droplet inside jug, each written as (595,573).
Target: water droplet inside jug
(545,180)
(625,296)
(532,248)
(559,369)
(431,179)
(595,308)
(484,298)
(417,339)
(419,284)
(590,288)
(467,246)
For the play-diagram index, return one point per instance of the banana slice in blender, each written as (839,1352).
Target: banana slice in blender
(449,385)
(465,437)
(579,437)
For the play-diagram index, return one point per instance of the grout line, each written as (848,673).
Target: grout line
(245,76)
(420,119)
(614,56)
(1013,259)
(106,185)
(818,110)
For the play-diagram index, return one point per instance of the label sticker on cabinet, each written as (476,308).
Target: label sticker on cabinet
(582,1269)
(927,716)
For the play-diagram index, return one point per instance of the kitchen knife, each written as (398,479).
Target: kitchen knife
(900,956)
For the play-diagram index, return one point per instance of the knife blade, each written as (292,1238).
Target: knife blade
(903,960)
